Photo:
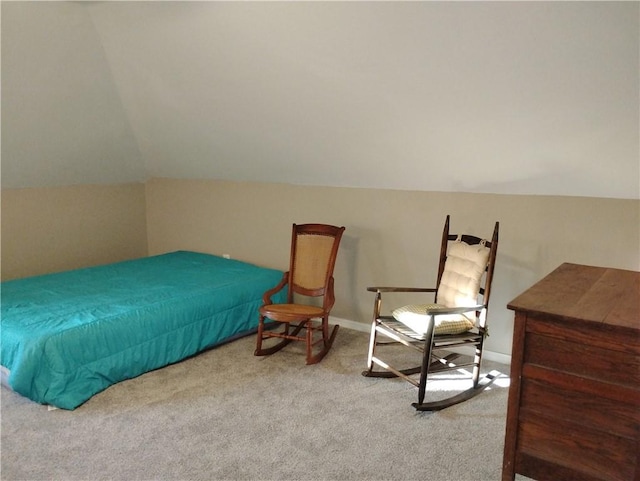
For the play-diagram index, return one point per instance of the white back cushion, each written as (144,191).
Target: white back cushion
(463,271)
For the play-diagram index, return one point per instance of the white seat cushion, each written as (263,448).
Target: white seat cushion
(415,318)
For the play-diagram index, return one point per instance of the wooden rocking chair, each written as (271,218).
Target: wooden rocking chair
(314,248)
(456,319)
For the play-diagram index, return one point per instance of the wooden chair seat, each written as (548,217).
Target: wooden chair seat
(291,312)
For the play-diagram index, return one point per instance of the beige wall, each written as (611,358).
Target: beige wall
(52,229)
(392,236)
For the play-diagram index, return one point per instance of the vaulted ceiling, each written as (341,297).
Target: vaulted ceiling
(499,97)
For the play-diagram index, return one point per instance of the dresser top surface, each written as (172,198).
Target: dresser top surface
(596,294)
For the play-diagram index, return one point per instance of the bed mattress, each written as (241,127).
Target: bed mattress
(70,335)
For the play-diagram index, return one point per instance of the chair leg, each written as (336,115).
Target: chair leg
(327,341)
(476,366)
(426,361)
(279,345)
(477,361)
(259,339)
(372,347)
(309,340)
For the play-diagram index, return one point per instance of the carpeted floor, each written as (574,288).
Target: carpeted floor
(227,415)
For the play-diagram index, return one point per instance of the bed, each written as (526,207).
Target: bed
(67,336)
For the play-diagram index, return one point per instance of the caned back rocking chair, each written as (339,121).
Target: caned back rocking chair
(314,248)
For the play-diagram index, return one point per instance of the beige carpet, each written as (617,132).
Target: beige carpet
(226,414)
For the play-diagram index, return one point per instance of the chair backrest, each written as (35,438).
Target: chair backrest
(465,270)
(314,248)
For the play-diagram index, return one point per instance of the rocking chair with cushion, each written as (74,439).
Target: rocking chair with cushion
(456,319)
(314,248)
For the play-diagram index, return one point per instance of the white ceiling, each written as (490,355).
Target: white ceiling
(498,97)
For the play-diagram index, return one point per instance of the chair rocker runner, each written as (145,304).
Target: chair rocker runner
(314,248)
(456,319)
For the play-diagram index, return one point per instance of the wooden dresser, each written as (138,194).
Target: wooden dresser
(574,398)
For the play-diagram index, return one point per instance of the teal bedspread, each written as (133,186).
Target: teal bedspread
(67,336)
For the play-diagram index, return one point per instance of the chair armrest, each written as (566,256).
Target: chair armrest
(266,297)
(401,289)
(452,310)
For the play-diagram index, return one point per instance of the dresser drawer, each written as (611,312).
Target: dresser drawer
(586,452)
(587,360)
(610,409)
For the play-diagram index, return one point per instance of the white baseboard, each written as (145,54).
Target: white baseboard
(356,326)
(362,327)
